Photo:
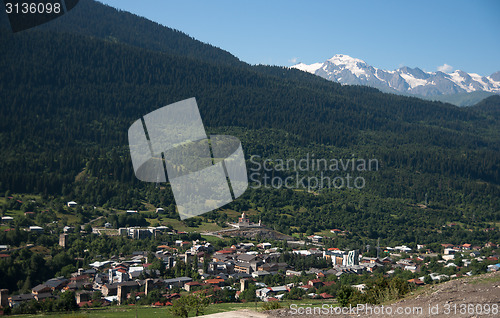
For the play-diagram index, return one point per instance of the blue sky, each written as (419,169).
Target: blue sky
(386,34)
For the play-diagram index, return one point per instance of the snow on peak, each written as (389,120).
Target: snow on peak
(345,69)
(308,68)
(339,59)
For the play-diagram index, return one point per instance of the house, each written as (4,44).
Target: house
(272,267)
(36,229)
(360,287)
(56,283)
(220,267)
(258,274)
(68,229)
(190,286)
(243,267)
(411,268)
(264,245)
(71,204)
(290,272)
(466,247)
(160,210)
(329,283)
(177,282)
(315,282)
(447,245)
(126,287)
(493,268)
(448,257)
(315,238)
(109,289)
(39,289)
(335,231)
(268,293)
(15,300)
(416,281)
(475,253)
(83,296)
(240,276)
(215,282)
(246,258)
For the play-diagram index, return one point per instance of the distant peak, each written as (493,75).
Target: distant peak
(344,59)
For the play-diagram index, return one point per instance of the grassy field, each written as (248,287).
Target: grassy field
(148,311)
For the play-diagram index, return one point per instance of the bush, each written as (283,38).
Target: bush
(271,305)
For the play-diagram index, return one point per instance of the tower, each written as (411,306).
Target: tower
(244,284)
(62,240)
(4,297)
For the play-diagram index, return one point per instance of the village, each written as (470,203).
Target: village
(249,270)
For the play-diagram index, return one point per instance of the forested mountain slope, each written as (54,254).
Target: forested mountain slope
(68,98)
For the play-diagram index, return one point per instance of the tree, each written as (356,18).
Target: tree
(183,306)
(67,302)
(344,295)
(248,295)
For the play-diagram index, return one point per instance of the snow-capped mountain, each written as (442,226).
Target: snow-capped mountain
(348,70)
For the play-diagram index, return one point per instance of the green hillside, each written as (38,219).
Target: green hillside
(70,90)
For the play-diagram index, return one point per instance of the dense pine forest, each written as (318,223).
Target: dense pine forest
(70,89)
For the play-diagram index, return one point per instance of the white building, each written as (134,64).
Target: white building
(36,229)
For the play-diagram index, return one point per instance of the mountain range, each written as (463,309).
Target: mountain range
(468,87)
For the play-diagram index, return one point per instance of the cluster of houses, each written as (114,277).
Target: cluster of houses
(120,278)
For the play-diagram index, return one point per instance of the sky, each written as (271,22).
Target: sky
(433,35)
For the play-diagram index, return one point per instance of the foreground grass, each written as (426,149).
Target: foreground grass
(148,311)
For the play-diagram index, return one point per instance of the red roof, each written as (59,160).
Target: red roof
(333,249)
(159,303)
(4,255)
(170,296)
(214,281)
(81,277)
(225,252)
(416,281)
(83,303)
(326,295)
